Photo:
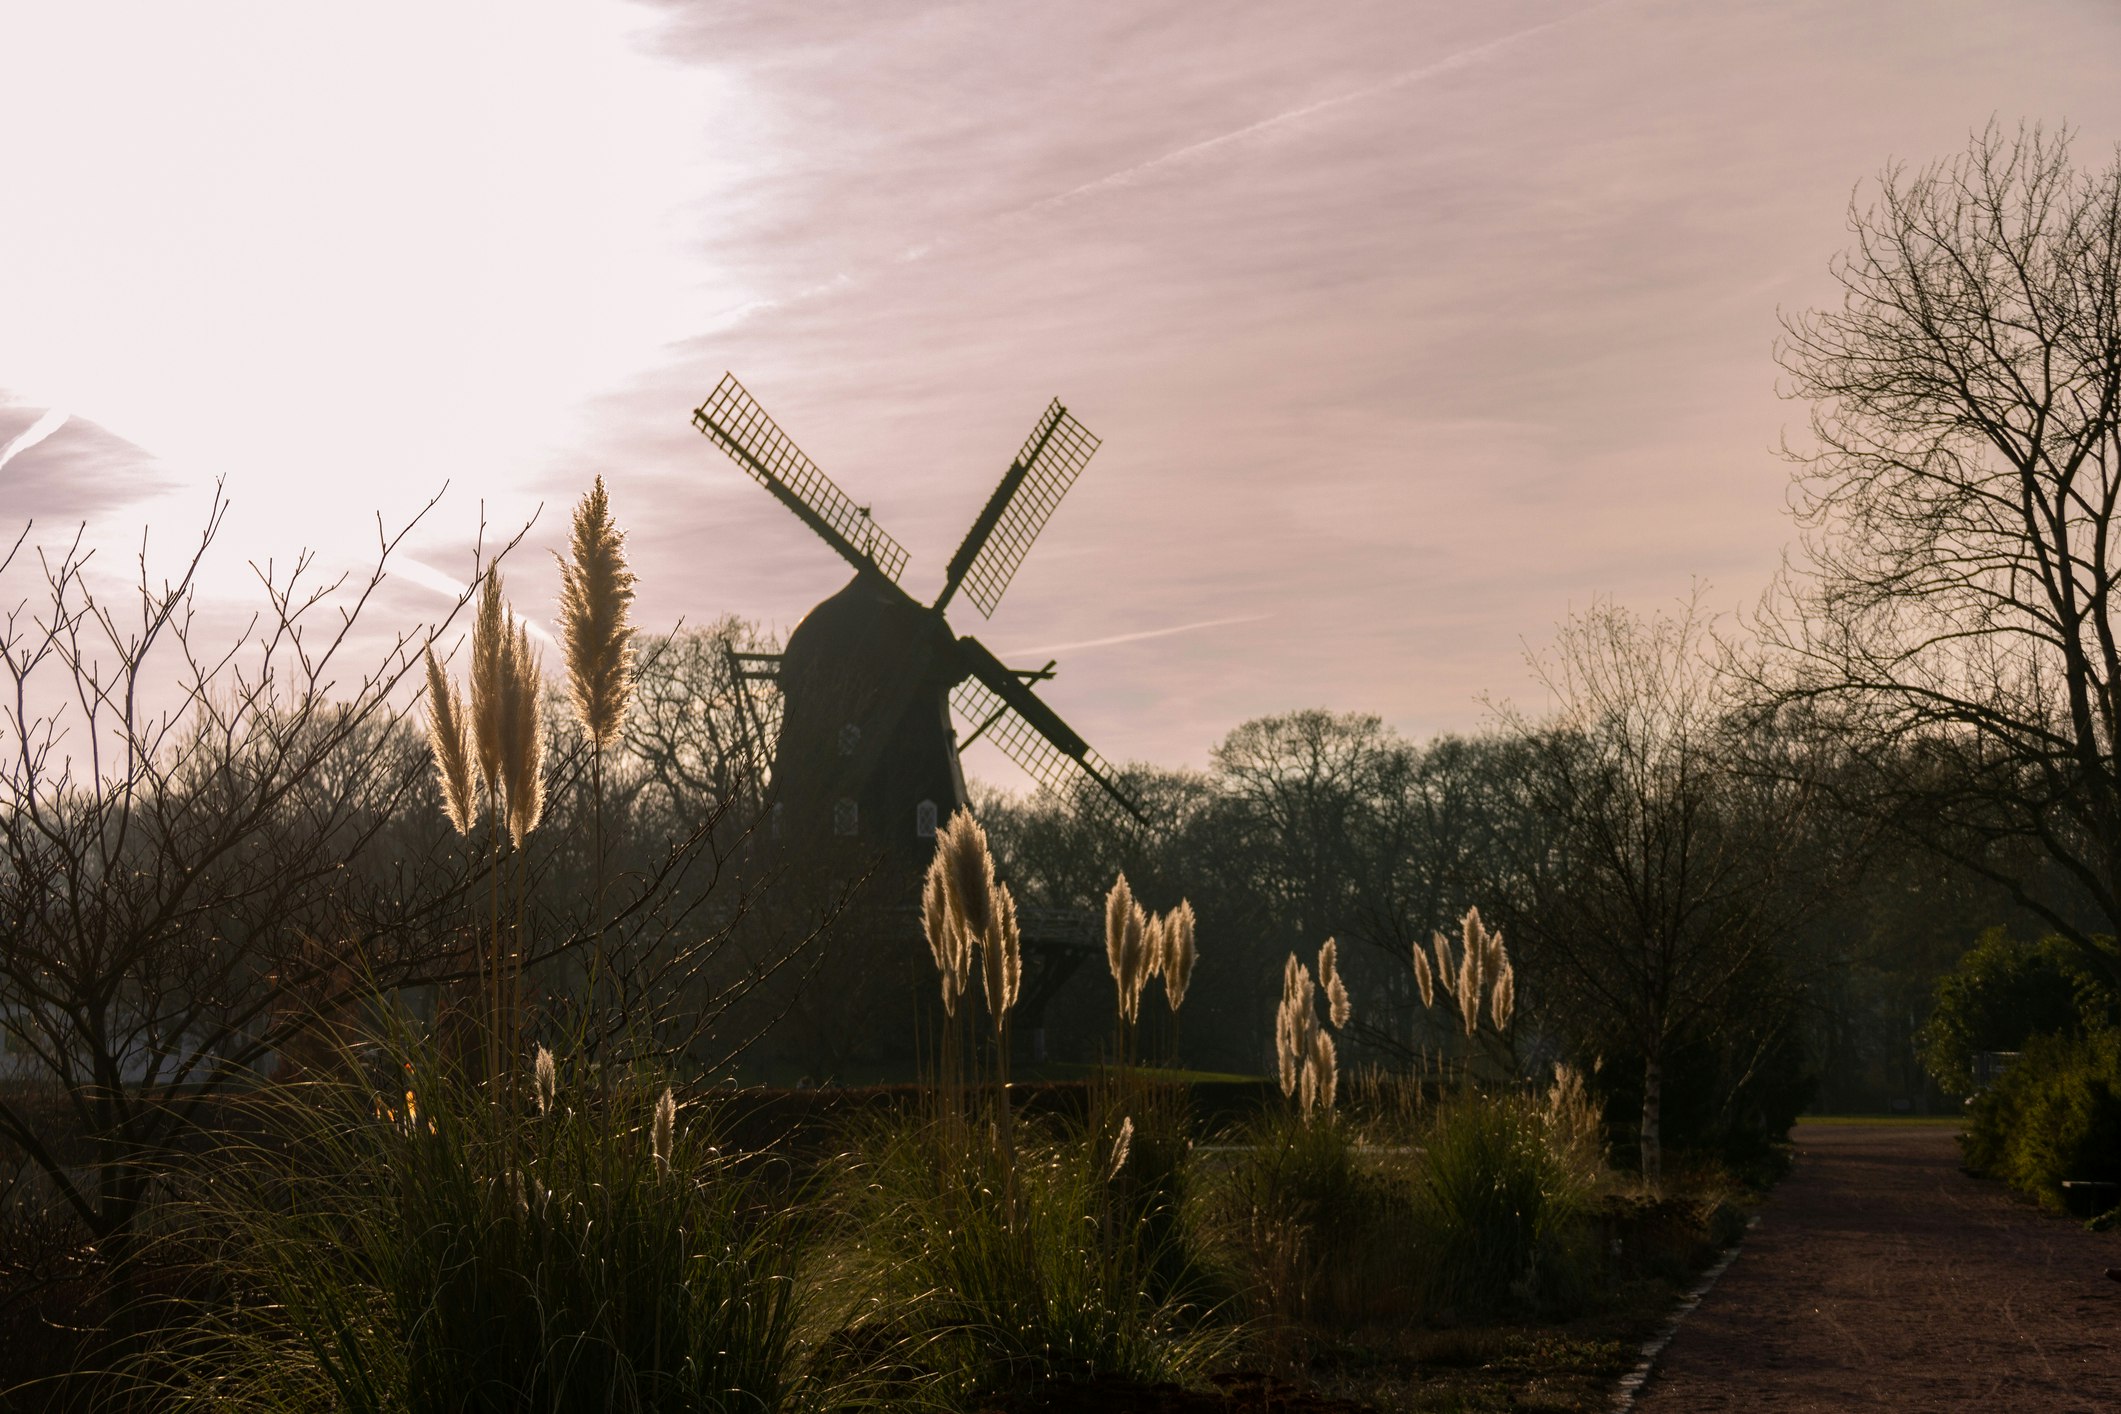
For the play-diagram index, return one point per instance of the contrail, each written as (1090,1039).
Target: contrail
(1135,637)
(449,587)
(1464,58)
(30,436)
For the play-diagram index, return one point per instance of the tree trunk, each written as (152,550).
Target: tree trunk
(1653,1122)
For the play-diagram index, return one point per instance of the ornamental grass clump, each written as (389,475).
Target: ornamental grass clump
(1503,1199)
(974,1299)
(445,1254)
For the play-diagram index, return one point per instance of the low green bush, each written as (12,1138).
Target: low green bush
(2055,1115)
(1503,1202)
(438,1249)
(982,1270)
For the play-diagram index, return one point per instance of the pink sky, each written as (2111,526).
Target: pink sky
(1407,326)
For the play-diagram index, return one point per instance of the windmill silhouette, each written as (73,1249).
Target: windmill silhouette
(869,679)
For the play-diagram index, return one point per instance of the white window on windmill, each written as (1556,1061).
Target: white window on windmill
(924,820)
(850,738)
(846,816)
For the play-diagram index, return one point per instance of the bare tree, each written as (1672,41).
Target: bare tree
(170,875)
(1665,873)
(1952,616)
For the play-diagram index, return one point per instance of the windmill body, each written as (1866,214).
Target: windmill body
(875,685)
(866,751)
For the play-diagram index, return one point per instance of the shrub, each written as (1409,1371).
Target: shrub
(436,1250)
(988,1275)
(1502,1200)
(2003,993)
(2054,1115)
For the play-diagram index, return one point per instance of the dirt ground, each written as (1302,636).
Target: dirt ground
(1881,1277)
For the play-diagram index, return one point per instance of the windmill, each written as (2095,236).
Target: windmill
(867,759)
(870,676)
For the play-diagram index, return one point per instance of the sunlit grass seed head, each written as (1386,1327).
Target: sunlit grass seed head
(449,739)
(1178,953)
(662,1131)
(596,590)
(941,929)
(1322,1071)
(1446,964)
(1121,1143)
(1002,970)
(1338,1007)
(1294,1024)
(490,681)
(545,1074)
(523,743)
(1503,1003)
(968,871)
(1119,907)
(1424,976)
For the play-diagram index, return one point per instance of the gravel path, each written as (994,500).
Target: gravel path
(1881,1277)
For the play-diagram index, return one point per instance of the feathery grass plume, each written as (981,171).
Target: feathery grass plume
(546,1075)
(490,683)
(1002,960)
(595,589)
(1119,904)
(1446,964)
(941,929)
(1337,1005)
(662,1131)
(1424,977)
(968,872)
(1120,1145)
(1178,954)
(448,738)
(1470,996)
(1294,1023)
(525,743)
(1153,944)
(1322,1069)
(1503,1002)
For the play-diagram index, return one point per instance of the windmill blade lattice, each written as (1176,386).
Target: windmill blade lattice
(985,714)
(740,427)
(1052,457)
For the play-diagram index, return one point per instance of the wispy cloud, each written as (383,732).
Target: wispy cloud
(1464,58)
(30,436)
(1135,637)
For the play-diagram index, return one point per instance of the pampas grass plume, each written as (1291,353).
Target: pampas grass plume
(546,1077)
(596,589)
(1119,905)
(1338,1007)
(1323,1072)
(1503,1003)
(1178,953)
(968,872)
(941,929)
(1424,976)
(662,1131)
(448,737)
(1120,1145)
(490,681)
(1446,964)
(523,742)
(1002,961)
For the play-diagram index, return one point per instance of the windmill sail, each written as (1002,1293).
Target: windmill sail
(995,703)
(740,427)
(1052,457)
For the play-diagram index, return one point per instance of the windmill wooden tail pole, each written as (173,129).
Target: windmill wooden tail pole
(871,677)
